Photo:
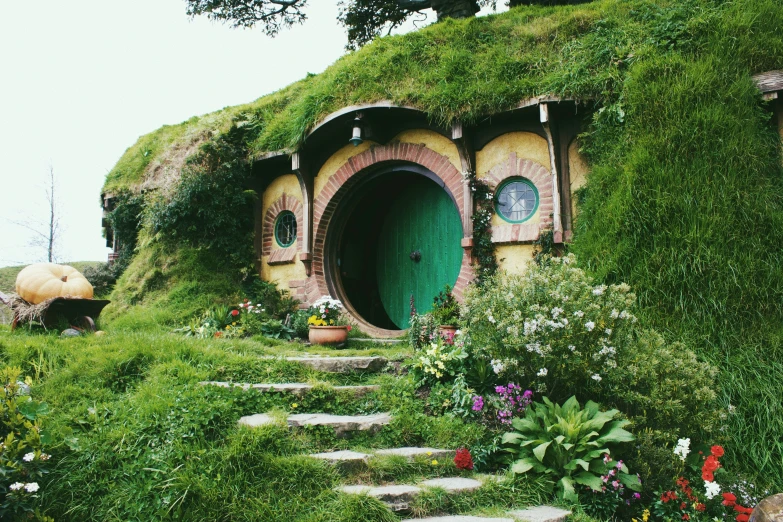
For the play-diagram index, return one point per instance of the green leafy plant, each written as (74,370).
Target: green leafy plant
(445,309)
(569,444)
(22,460)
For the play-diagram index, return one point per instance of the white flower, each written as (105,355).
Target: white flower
(32,487)
(711,489)
(16,486)
(28,457)
(579,313)
(45,456)
(556,311)
(491,319)
(542,372)
(596,377)
(683,448)
(497,366)
(589,325)
(599,290)
(615,314)
(608,331)
(571,347)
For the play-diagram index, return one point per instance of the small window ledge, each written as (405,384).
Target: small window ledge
(282,256)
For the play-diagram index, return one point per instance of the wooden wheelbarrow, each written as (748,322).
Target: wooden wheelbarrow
(80,313)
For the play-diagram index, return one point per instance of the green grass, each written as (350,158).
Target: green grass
(136,438)
(683,202)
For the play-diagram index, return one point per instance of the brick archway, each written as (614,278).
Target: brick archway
(515,167)
(284,202)
(348,176)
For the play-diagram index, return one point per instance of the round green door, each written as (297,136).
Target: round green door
(419,251)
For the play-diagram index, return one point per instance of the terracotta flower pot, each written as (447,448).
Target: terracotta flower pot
(330,335)
(447,331)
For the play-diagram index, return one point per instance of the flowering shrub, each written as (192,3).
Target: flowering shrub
(507,402)
(552,328)
(604,503)
(440,361)
(325,312)
(22,460)
(463,460)
(701,497)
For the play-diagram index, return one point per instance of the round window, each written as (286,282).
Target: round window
(285,228)
(517,200)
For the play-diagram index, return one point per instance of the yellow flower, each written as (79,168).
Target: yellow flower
(429,454)
(294,405)
(234,323)
(228,327)
(434,462)
(646,515)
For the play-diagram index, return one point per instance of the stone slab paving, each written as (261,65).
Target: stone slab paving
(411,452)
(453,484)
(459,518)
(295,388)
(342,364)
(541,514)
(342,424)
(340,457)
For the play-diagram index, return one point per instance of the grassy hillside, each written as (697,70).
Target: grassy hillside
(684,200)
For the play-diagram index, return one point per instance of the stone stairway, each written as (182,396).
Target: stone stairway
(396,496)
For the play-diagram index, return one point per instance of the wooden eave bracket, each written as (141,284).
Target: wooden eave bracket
(557,225)
(467,158)
(305,177)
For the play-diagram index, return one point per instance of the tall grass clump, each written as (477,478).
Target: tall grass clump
(685,203)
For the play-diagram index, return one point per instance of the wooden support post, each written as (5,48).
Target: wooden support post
(467,157)
(305,177)
(557,224)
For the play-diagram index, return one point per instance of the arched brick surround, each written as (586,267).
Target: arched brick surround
(542,179)
(341,183)
(284,202)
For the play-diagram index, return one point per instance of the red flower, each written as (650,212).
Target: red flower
(729,499)
(743,510)
(667,496)
(235,312)
(463,460)
(710,464)
(686,517)
(717,451)
(682,482)
(707,476)
(218,334)
(683,505)
(700,507)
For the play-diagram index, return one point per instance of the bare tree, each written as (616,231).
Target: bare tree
(46,234)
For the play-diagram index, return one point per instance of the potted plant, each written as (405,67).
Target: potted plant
(325,325)
(445,311)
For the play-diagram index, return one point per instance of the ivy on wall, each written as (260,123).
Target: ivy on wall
(483,248)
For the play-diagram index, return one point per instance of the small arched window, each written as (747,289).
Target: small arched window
(285,228)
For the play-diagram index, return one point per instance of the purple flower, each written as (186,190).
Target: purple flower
(478,403)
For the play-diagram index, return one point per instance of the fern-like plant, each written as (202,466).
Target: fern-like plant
(569,444)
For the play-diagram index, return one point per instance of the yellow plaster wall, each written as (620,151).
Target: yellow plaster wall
(433,141)
(578,170)
(282,274)
(334,163)
(527,145)
(514,259)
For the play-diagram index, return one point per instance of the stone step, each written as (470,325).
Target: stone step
(353,459)
(399,496)
(535,514)
(294,388)
(342,424)
(541,514)
(342,364)
(459,518)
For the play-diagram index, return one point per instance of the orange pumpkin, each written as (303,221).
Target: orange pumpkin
(41,281)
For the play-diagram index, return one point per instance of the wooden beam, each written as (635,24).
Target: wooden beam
(305,177)
(557,224)
(467,158)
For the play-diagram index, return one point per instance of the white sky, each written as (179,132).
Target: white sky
(81,80)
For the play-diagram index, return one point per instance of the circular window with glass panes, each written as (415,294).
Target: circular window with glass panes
(516,200)
(285,228)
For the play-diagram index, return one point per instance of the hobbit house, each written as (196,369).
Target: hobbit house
(376,206)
